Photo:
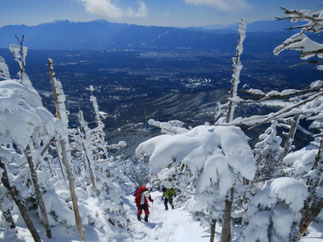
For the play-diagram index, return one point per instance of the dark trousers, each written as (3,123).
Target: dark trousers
(145,208)
(170,201)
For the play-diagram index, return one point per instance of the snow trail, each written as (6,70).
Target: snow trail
(173,225)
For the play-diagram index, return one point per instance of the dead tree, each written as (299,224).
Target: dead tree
(237,66)
(37,191)
(61,114)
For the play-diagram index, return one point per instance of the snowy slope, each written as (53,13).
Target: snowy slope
(164,226)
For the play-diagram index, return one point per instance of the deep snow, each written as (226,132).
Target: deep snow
(164,226)
(172,225)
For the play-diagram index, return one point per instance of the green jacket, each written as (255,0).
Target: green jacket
(170,193)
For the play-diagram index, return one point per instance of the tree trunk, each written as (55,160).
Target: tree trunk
(213,224)
(8,218)
(60,160)
(38,192)
(226,229)
(23,211)
(72,190)
(308,216)
(291,135)
(87,158)
(313,203)
(90,171)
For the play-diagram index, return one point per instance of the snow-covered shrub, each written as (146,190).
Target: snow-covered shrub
(268,154)
(274,212)
(112,203)
(58,210)
(4,71)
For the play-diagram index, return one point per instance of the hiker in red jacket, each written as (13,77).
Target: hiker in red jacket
(142,195)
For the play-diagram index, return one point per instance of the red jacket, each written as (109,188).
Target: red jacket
(138,195)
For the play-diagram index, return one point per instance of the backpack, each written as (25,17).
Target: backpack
(136,191)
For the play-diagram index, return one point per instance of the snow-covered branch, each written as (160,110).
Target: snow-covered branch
(300,42)
(288,111)
(314,19)
(170,127)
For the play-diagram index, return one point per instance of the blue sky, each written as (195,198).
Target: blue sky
(147,12)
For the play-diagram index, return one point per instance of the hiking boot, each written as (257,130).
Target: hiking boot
(138,217)
(146,218)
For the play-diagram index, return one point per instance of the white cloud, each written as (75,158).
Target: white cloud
(141,12)
(223,5)
(108,9)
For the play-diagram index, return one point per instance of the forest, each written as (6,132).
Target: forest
(57,176)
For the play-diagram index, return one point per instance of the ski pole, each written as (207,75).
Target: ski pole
(152,210)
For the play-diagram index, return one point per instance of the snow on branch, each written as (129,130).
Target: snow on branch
(288,94)
(291,110)
(314,19)
(117,146)
(300,42)
(170,127)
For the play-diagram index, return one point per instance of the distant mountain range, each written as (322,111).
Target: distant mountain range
(101,35)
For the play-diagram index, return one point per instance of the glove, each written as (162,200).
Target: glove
(152,200)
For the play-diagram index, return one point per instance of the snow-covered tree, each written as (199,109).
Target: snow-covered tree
(22,108)
(98,135)
(19,53)
(237,67)
(219,158)
(306,104)
(233,98)
(61,114)
(105,178)
(274,212)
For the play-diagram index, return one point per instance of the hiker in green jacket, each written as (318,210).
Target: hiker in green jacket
(168,195)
